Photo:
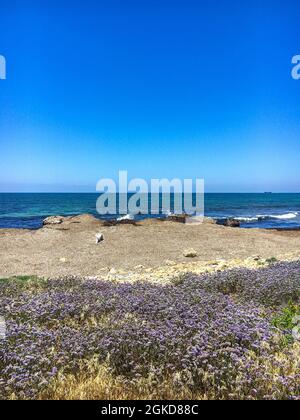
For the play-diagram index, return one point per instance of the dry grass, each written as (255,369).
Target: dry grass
(95,382)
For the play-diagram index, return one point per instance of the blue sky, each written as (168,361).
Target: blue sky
(160,88)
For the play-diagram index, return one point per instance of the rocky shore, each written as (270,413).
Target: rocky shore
(86,246)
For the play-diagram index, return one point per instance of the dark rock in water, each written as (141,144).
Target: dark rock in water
(126,222)
(178,218)
(232,223)
(109,223)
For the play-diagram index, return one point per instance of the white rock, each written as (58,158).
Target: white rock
(170,262)
(190,253)
(53,220)
(99,238)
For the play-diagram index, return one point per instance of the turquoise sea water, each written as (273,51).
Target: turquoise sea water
(253,210)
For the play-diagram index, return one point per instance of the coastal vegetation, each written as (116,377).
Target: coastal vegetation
(224,335)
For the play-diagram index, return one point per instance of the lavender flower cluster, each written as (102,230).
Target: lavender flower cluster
(276,285)
(197,333)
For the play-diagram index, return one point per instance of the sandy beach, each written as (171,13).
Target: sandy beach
(69,248)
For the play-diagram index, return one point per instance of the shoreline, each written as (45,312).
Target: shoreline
(227,222)
(146,248)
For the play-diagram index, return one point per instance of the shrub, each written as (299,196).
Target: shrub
(273,286)
(194,336)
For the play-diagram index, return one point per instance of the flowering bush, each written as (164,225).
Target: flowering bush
(198,334)
(275,285)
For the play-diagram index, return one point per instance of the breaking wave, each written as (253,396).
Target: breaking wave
(261,217)
(126,217)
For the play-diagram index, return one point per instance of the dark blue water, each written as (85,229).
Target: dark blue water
(253,210)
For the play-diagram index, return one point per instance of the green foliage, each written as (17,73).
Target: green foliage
(179,280)
(284,320)
(22,283)
(19,279)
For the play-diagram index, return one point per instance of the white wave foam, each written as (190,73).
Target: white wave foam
(260,217)
(126,217)
(247,219)
(286,216)
(168,213)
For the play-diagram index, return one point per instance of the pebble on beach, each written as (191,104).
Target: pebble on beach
(190,253)
(99,238)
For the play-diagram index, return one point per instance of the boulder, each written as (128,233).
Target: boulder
(110,223)
(190,253)
(178,218)
(53,220)
(126,222)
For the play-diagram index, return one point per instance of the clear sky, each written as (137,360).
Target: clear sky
(160,88)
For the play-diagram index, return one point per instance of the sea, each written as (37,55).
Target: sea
(268,211)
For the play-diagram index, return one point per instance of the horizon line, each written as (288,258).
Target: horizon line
(135,192)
